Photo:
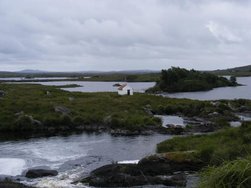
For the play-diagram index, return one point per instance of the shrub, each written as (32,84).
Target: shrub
(23,123)
(78,120)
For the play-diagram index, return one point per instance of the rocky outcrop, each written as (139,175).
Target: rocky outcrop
(167,169)
(175,129)
(10,184)
(128,175)
(38,173)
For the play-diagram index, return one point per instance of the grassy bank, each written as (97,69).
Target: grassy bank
(235,173)
(35,107)
(225,153)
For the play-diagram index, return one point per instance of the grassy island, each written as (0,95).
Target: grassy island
(178,79)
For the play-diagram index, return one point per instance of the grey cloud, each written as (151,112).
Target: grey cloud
(133,34)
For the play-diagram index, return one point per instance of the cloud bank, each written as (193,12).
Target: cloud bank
(74,35)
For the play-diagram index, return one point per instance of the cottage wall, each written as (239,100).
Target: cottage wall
(124,91)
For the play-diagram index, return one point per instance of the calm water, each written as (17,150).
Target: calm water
(73,155)
(215,94)
(100,86)
(243,92)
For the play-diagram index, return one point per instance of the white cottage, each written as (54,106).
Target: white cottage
(125,90)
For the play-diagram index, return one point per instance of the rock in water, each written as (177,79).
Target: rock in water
(9,184)
(38,173)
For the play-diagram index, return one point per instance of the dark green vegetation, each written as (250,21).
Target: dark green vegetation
(36,107)
(177,79)
(69,86)
(238,71)
(227,153)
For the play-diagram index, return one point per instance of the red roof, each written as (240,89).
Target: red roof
(122,86)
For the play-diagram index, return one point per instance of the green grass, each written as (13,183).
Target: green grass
(231,174)
(108,109)
(227,144)
(23,101)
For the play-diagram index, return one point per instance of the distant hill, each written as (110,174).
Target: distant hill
(237,71)
(31,71)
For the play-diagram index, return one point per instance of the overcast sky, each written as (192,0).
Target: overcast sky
(81,35)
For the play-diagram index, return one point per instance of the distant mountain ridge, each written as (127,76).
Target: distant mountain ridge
(31,71)
(236,71)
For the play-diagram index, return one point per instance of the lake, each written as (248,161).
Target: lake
(73,156)
(243,92)
(91,86)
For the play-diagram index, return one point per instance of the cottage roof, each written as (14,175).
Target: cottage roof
(122,86)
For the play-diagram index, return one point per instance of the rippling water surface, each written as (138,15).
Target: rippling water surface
(73,156)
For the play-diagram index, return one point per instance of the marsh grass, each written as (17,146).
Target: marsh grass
(108,109)
(213,149)
(233,174)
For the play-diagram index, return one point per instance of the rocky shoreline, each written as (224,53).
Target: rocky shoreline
(169,169)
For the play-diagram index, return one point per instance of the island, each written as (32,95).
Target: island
(178,79)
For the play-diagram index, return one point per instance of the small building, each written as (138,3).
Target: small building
(124,89)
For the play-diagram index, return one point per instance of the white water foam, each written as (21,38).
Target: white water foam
(62,180)
(129,162)
(12,166)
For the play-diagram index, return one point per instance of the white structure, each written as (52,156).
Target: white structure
(125,90)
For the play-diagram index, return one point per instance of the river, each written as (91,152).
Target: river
(73,156)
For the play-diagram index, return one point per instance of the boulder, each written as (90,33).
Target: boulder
(168,163)
(175,129)
(62,109)
(38,173)
(167,169)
